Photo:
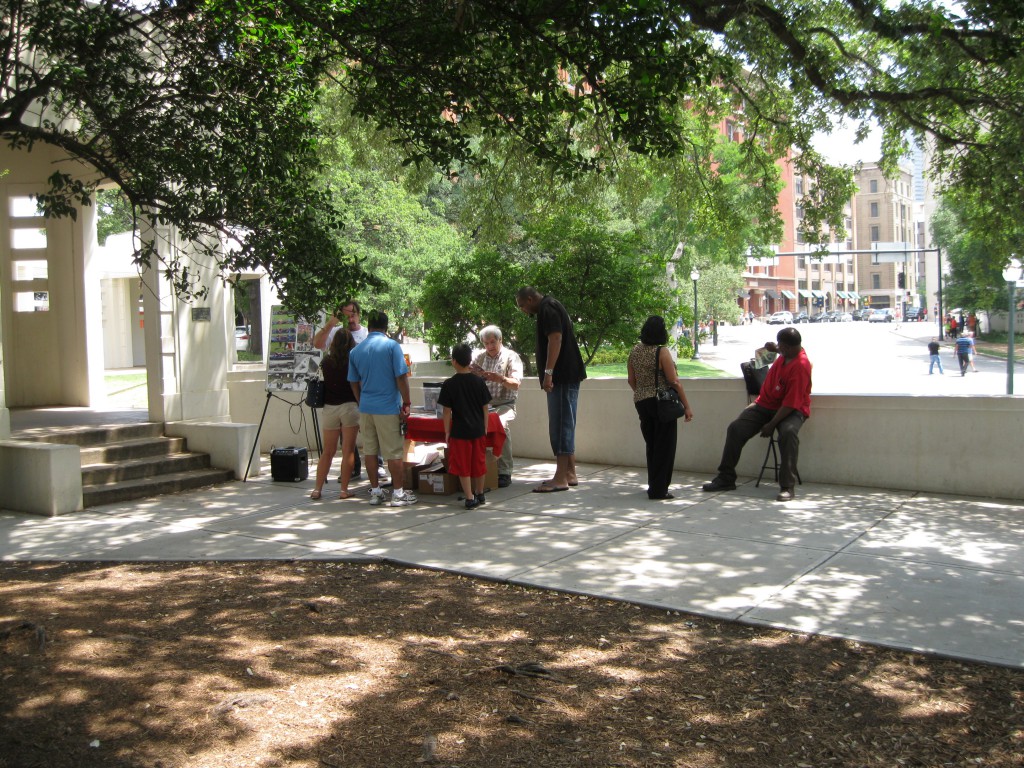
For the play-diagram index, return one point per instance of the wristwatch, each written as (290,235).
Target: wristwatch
(549,371)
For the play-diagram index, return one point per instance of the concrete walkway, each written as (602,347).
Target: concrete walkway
(923,572)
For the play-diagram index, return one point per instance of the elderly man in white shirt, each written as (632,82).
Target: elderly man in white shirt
(502,370)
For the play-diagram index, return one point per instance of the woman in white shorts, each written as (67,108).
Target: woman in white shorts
(340,416)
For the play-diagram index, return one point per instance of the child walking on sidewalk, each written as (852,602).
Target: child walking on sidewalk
(465,398)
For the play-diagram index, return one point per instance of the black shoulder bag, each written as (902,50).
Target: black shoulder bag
(670,407)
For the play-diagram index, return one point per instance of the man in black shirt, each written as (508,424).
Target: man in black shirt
(561,369)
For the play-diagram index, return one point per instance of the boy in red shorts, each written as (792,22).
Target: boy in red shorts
(465,398)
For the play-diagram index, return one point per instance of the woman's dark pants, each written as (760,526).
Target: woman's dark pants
(660,439)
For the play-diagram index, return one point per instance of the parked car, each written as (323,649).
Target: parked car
(830,316)
(241,338)
(843,317)
(821,317)
(884,315)
(801,317)
(781,318)
(913,314)
(860,314)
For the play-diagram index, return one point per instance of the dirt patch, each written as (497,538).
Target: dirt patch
(328,664)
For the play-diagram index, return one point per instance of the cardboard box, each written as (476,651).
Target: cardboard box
(491,479)
(437,482)
(411,478)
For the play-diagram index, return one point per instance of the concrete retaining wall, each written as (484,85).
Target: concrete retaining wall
(963,445)
(41,478)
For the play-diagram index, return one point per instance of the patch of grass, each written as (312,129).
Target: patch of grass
(121,382)
(688,369)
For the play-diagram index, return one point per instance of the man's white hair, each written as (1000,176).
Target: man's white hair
(491,332)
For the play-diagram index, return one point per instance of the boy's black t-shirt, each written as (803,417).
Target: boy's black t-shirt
(466,394)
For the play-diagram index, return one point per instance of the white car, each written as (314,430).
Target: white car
(881,316)
(781,318)
(241,338)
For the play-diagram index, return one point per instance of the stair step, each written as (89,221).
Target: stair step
(106,473)
(132,449)
(141,488)
(89,436)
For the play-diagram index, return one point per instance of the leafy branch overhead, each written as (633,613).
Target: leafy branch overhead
(203,111)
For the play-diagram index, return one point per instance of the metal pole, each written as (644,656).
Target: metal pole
(938,315)
(696,324)
(1009,347)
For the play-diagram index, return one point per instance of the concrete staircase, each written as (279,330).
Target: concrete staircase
(134,461)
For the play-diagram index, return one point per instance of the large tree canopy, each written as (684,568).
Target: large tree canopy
(200,109)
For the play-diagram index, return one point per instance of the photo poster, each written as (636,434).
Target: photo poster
(293,360)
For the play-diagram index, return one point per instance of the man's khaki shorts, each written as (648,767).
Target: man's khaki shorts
(382,435)
(340,416)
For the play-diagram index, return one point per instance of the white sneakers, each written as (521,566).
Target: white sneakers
(398,498)
(402,499)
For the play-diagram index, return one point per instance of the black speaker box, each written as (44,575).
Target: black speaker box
(289,465)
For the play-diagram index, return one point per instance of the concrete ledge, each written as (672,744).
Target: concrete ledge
(40,478)
(917,443)
(228,444)
(966,445)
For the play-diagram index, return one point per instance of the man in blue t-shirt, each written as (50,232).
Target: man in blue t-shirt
(380,381)
(964,350)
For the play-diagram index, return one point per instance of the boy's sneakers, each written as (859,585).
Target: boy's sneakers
(402,499)
(376,496)
(478,500)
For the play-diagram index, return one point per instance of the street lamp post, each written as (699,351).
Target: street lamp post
(1011,274)
(695,276)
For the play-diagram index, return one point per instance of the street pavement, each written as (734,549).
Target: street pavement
(924,572)
(867,359)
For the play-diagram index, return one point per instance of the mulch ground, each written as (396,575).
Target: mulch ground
(327,664)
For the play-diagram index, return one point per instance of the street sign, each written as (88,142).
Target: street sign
(889,253)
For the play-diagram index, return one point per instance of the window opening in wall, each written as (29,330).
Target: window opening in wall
(876,281)
(248,333)
(874,210)
(24,207)
(28,239)
(32,301)
(29,269)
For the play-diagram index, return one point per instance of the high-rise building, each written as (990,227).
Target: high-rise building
(886,223)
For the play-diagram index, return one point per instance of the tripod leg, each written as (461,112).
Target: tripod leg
(256,444)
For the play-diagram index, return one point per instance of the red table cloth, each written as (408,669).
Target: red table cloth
(430,429)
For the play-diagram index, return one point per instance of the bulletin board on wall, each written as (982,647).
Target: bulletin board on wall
(292,358)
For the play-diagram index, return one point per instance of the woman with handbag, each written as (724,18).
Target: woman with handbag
(660,400)
(340,416)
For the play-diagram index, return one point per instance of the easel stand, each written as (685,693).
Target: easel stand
(255,446)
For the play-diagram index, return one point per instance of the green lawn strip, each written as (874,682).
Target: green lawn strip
(116,383)
(688,369)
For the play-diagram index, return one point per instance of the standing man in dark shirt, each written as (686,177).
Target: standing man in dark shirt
(933,356)
(561,370)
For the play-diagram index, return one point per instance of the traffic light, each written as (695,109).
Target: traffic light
(902,280)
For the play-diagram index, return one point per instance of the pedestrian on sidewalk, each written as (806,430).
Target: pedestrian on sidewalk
(933,353)
(964,350)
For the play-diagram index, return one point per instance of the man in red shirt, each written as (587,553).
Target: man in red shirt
(784,404)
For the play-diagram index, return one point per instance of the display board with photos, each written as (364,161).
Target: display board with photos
(292,358)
